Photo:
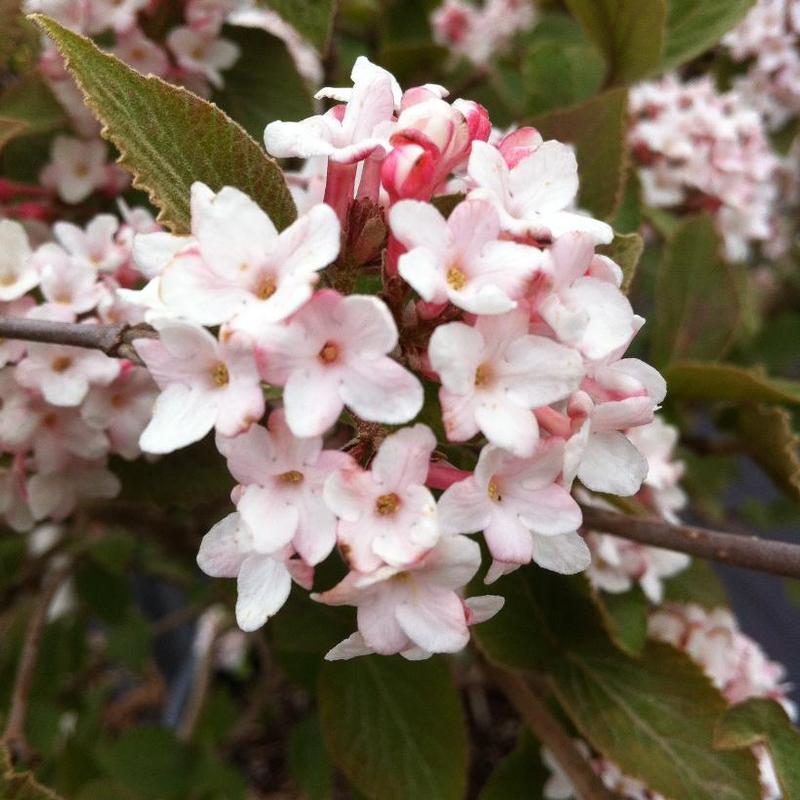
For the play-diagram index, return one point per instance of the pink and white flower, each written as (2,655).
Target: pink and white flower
(95,246)
(334,352)
(264,578)
(460,259)
(68,284)
(204,384)
(387,515)
(55,495)
(534,196)
(64,374)
(18,273)
(241,270)
(141,53)
(280,496)
(203,54)
(524,513)
(76,168)
(494,374)
(416,611)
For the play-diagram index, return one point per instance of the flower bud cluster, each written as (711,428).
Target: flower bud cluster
(768,41)
(503,304)
(480,33)
(699,150)
(64,410)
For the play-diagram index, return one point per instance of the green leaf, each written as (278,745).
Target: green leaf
(519,775)
(654,717)
(168,138)
(203,475)
(308,760)
(768,436)
(20,785)
(626,249)
(624,616)
(395,727)
(629,33)
(128,643)
(263,85)
(707,380)
(597,129)
(699,584)
(697,298)
(30,100)
(312,18)
(148,761)
(559,67)
(693,27)
(762,721)
(10,129)
(11,22)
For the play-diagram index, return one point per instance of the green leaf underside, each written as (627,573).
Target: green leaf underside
(654,715)
(597,129)
(697,300)
(629,33)
(394,727)
(762,721)
(769,438)
(695,25)
(263,85)
(168,138)
(708,380)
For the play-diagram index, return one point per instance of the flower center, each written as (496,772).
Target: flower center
(81,170)
(8,279)
(456,279)
(61,364)
(387,504)
(483,375)
(117,400)
(293,476)
(493,490)
(219,374)
(329,353)
(265,288)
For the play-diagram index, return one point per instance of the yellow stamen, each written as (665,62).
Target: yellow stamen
(219,374)
(387,504)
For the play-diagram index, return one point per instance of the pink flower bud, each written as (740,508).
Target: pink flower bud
(409,170)
(519,144)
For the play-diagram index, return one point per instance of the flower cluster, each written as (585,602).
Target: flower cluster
(64,410)
(193,54)
(617,564)
(698,149)
(479,34)
(767,40)
(503,303)
(735,664)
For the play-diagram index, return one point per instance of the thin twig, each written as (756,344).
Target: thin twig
(113,340)
(14,734)
(751,552)
(552,735)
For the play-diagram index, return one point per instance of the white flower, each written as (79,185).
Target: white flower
(532,197)
(525,515)
(204,384)
(494,374)
(18,274)
(76,168)
(332,353)
(281,479)
(387,515)
(203,54)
